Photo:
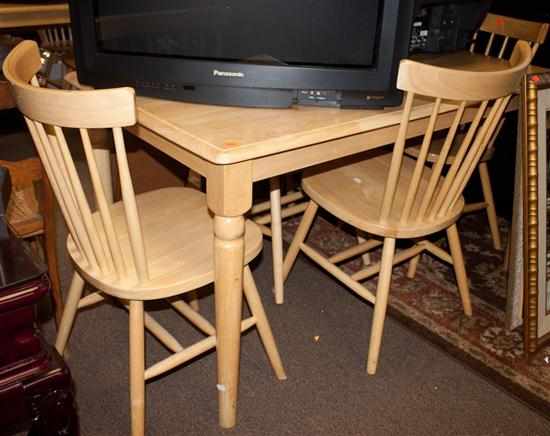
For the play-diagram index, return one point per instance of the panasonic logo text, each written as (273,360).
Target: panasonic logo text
(218,73)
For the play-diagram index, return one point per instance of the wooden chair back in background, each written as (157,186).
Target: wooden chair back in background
(56,38)
(502,33)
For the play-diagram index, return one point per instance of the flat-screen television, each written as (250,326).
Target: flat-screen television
(262,53)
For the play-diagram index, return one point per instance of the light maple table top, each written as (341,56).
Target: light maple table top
(28,14)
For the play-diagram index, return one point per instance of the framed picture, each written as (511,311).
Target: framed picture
(536,209)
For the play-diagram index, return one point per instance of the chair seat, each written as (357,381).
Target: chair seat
(178,236)
(353,192)
(437,145)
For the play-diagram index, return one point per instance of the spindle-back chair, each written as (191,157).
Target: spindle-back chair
(151,246)
(496,38)
(393,196)
(58,42)
(56,38)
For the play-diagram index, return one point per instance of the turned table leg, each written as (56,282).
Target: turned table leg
(229,197)
(229,258)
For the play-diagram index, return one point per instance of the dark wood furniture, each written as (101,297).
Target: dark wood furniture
(36,390)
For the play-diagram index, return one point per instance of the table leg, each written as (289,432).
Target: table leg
(229,260)
(277,239)
(229,197)
(103,160)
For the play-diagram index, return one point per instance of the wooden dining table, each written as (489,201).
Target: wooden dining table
(234,147)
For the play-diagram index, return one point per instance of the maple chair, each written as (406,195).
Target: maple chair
(499,34)
(124,249)
(58,41)
(392,196)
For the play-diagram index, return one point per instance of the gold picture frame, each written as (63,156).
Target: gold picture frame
(536,210)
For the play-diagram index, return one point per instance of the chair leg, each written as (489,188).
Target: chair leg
(50,249)
(460,270)
(262,323)
(490,201)
(137,368)
(194,301)
(366,256)
(382,292)
(277,239)
(67,320)
(413,264)
(299,237)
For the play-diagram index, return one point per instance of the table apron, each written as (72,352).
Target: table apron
(180,154)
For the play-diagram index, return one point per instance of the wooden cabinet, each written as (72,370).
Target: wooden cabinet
(35,384)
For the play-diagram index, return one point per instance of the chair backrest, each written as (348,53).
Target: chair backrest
(56,37)
(47,112)
(504,31)
(485,93)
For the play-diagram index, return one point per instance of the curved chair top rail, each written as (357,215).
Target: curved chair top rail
(503,30)
(516,28)
(76,109)
(462,85)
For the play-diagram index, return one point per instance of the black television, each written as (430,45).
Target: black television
(259,53)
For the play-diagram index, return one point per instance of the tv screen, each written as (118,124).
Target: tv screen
(320,32)
(266,53)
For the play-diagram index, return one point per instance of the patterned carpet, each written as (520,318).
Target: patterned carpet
(430,304)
